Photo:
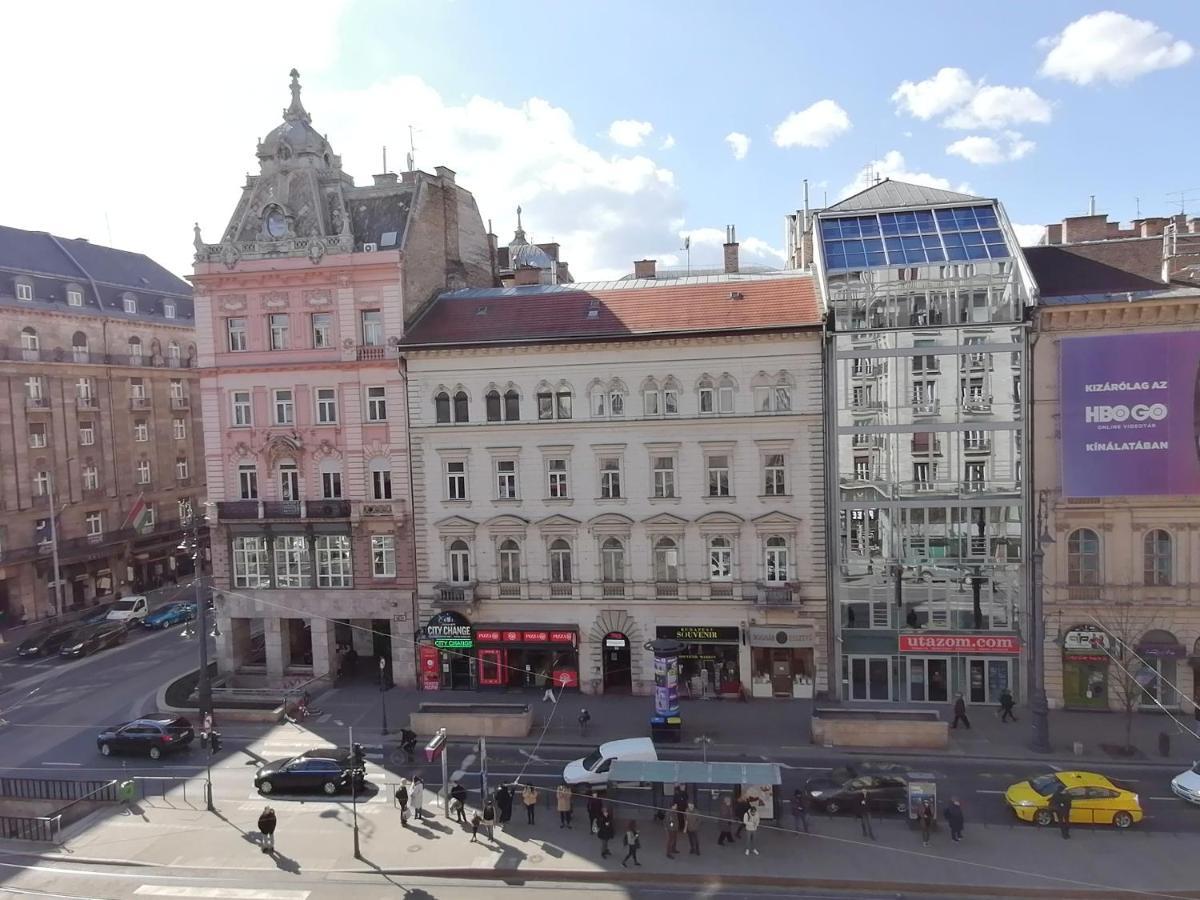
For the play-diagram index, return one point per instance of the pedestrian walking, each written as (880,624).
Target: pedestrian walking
(799,810)
(606,830)
(266,826)
(458,803)
(954,818)
(402,802)
(1006,706)
(562,801)
(548,685)
(529,797)
(1060,805)
(671,823)
(740,806)
(504,802)
(960,712)
(476,821)
(489,819)
(679,797)
(691,826)
(750,820)
(418,797)
(633,843)
(594,807)
(864,816)
(726,814)
(925,816)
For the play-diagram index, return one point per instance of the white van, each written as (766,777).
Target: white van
(129,610)
(593,768)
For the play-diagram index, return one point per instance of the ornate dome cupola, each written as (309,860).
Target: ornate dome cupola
(521,253)
(296,139)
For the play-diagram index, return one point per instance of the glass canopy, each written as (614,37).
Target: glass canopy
(913,237)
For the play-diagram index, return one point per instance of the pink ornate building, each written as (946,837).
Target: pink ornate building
(299,310)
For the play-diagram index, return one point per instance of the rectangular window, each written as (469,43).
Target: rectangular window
(974,476)
(774,475)
(718,476)
(923,475)
(616,403)
(285,408)
(184,506)
(74,298)
(376,404)
(725,400)
(181,468)
(41,484)
(671,402)
(783,398)
(293,566)
(34,389)
(248,482)
(326,406)
(179,429)
(177,389)
(556,479)
(91,478)
(87,434)
(650,399)
(322,330)
(168,309)
(94,524)
(562,405)
(383,556)
(243,415)
(762,399)
(289,482)
(333,561)
(235,329)
(130,305)
(610,477)
(85,390)
(24,291)
(137,388)
(664,476)
(720,560)
(707,401)
(456,481)
(141,431)
(506,479)
(250,562)
(37,435)
(372,328)
(331,485)
(381,484)
(143,471)
(545,406)
(278,323)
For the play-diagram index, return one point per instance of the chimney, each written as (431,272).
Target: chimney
(731,250)
(645,268)
(1154,226)
(527,275)
(1193,226)
(1054,234)
(385,179)
(1076,229)
(447,175)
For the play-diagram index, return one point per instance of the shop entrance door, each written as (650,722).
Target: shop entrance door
(781,673)
(870,677)
(987,679)
(928,679)
(618,671)
(491,668)
(457,667)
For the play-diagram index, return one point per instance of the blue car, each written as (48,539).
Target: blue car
(171,614)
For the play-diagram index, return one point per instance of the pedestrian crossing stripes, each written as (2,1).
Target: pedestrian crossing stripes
(219,893)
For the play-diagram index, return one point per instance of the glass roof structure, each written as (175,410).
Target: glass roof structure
(912,237)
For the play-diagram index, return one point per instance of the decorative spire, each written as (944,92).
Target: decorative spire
(519,237)
(296,112)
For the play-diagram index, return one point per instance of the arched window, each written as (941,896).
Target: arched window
(289,481)
(510,561)
(460,407)
(720,559)
(135,349)
(492,404)
(79,346)
(651,398)
(441,404)
(512,406)
(460,562)
(612,560)
(776,559)
(707,395)
(560,561)
(1083,557)
(666,560)
(1157,557)
(30,339)
(173,350)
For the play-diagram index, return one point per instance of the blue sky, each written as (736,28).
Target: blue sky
(153,118)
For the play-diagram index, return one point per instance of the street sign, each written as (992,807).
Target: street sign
(435,746)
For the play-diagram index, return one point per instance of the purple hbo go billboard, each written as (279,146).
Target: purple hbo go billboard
(1130,413)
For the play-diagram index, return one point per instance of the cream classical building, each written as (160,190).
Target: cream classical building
(599,465)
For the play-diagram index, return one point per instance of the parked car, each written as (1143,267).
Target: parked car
(1187,784)
(593,768)
(129,610)
(45,642)
(886,792)
(91,638)
(151,736)
(328,769)
(1095,800)
(171,614)
(96,614)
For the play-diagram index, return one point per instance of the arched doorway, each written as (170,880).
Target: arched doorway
(618,672)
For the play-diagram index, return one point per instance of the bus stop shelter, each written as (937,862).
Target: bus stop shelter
(652,783)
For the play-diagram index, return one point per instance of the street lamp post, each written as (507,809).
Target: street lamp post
(1039,707)
(382,695)
(204,684)
(58,591)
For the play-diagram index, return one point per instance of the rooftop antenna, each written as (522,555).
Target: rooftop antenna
(687,248)
(412,151)
(1183,198)
(108,228)
(385,159)
(1137,205)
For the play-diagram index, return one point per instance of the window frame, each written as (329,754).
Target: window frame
(87,429)
(333,560)
(370,328)
(508,561)
(292,560)
(380,471)
(775,474)
(506,482)
(279,331)
(776,559)
(710,470)
(179,428)
(142,472)
(325,405)
(182,470)
(74,297)
(383,556)
(141,431)
(90,476)
(458,562)
(1085,565)
(1157,563)
(720,558)
(320,330)
(242,410)
(613,561)
(663,477)
(239,331)
(247,481)
(288,405)
(456,481)
(666,560)
(558,479)
(24,291)
(611,487)
(249,561)
(560,556)
(376,403)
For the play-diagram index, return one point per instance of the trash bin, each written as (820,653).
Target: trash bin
(126,790)
(666,729)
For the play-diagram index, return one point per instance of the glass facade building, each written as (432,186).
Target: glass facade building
(926,294)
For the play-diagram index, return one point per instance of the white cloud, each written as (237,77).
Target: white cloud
(966,103)
(1111,46)
(984,150)
(1029,235)
(738,143)
(707,245)
(667,143)
(629,132)
(815,126)
(893,165)
(947,90)
(753,246)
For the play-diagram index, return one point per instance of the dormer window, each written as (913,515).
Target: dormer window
(24,291)
(168,309)
(129,302)
(74,297)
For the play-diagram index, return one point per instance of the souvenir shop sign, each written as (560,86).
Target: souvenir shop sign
(701,634)
(449,631)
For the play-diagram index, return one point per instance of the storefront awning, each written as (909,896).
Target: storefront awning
(671,772)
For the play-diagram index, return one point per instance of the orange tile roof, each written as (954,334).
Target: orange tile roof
(540,314)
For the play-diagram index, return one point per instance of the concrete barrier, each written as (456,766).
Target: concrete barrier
(473,719)
(895,729)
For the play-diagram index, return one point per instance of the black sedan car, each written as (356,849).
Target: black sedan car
(885,792)
(328,770)
(96,614)
(46,642)
(91,638)
(150,736)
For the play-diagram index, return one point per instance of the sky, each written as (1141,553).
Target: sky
(620,127)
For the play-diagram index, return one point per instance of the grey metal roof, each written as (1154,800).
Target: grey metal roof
(676,772)
(890,194)
(625,284)
(676,273)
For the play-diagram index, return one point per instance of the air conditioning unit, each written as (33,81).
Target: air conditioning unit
(370,248)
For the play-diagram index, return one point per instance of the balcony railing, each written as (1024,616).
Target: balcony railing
(770,593)
(977,404)
(562,589)
(369,352)
(37,404)
(925,407)
(668,590)
(720,590)
(977,445)
(139,402)
(509,590)
(181,403)
(451,594)
(234,510)
(86,403)
(612,589)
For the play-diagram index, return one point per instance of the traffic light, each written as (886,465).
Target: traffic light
(360,756)
(214,742)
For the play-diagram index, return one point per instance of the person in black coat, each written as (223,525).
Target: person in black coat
(954,818)
(606,830)
(1006,706)
(458,802)
(594,807)
(1060,806)
(960,712)
(266,825)
(504,803)
(402,802)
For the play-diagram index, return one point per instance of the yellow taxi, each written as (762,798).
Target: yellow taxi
(1094,799)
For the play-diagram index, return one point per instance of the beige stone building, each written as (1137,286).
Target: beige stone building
(1115,458)
(97,362)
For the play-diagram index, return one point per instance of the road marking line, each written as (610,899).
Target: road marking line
(989,792)
(1172,797)
(61,764)
(324,718)
(217,893)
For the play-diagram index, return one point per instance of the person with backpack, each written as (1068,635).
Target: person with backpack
(458,803)
(489,819)
(402,802)
(633,843)
(750,820)
(266,826)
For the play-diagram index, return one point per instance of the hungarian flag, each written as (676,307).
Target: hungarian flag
(139,514)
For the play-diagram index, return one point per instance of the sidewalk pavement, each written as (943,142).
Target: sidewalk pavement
(316,837)
(760,726)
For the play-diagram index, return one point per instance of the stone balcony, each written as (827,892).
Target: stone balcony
(293,510)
